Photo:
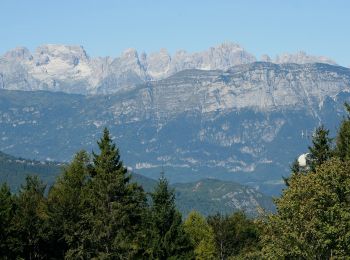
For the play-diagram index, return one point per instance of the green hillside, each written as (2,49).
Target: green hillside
(207,196)
(14,170)
(216,196)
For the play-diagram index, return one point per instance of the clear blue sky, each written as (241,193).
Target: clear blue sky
(105,27)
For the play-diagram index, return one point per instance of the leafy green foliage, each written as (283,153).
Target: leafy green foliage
(95,210)
(201,235)
(234,235)
(313,219)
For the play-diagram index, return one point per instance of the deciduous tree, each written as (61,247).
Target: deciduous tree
(201,235)
(313,216)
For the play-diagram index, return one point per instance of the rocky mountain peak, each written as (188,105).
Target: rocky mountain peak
(18,54)
(223,56)
(302,57)
(158,63)
(68,53)
(265,58)
(130,53)
(227,47)
(128,62)
(68,68)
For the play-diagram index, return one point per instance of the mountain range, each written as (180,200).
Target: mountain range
(70,69)
(220,114)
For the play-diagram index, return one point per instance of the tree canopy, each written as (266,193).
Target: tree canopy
(313,214)
(95,211)
(169,240)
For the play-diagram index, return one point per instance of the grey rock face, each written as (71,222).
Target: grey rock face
(246,124)
(51,67)
(18,54)
(69,69)
(265,58)
(302,58)
(258,86)
(159,65)
(221,57)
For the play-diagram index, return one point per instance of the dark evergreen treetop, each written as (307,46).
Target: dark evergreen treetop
(169,239)
(116,206)
(163,199)
(321,149)
(7,208)
(295,169)
(66,208)
(343,137)
(30,220)
(109,159)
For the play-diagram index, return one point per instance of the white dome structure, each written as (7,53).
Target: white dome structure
(303,159)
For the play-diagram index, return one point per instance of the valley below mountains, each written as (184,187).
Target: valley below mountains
(216,114)
(207,196)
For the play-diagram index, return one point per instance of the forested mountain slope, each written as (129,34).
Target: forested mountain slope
(209,197)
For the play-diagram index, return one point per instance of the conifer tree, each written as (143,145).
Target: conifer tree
(115,207)
(30,220)
(294,169)
(320,150)
(343,137)
(65,203)
(7,208)
(169,240)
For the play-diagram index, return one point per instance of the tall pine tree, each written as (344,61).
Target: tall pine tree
(320,152)
(65,203)
(169,239)
(30,220)
(7,209)
(116,207)
(321,149)
(343,137)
